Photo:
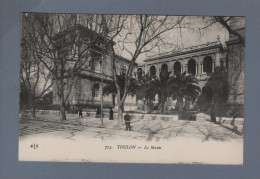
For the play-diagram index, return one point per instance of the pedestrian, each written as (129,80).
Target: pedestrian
(111,114)
(127,122)
(80,112)
(98,113)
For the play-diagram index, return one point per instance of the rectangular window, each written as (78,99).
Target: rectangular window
(96,92)
(97,66)
(96,61)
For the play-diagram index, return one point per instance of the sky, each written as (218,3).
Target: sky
(192,35)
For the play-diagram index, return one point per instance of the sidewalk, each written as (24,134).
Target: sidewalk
(84,137)
(156,128)
(73,119)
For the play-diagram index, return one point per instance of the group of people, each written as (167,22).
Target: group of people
(127,117)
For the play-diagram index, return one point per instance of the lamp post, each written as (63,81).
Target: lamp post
(101,107)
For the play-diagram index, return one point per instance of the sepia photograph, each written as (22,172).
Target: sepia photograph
(123,88)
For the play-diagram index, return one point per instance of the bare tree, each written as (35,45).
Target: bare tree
(109,27)
(35,79)
(225,22)
(144,33)
(61,51)
(65,50)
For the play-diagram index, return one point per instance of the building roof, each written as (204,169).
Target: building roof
(234,39)
(91,34)
(192,49)
(124,59)
(81,28)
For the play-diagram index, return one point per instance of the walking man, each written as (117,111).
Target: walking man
(127,122)
(80,112)
(111,114)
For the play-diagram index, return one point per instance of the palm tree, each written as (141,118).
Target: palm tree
(181,87)
(143,87)
(110,88)
(184,87)
(148,87)
(163,86)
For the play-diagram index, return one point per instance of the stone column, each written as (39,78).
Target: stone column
(213,65)
(197,66)
(224,63)
(201,66)
(217,59)
(185,63)
(146,70)
(172,68)
(182,70)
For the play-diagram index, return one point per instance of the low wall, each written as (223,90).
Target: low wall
(230,121)
(56,112)
(224,120)
(153,116)
(106,114)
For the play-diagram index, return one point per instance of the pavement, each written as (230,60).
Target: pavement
(143,129)
(46,138)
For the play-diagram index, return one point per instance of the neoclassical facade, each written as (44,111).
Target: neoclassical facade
(86,90)
(200,61)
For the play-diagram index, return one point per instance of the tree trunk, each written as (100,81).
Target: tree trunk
(162,101)
(146,105)
(33,111)
(33,106)
(113,99)
(212,113)
(179,104)
(62,106)
(61,99)
(62,112)
(162,107)
(120,115)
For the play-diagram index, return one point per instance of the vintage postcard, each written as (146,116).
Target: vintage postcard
(132,88)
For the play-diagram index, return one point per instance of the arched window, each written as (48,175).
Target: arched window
(177,68)
(192,67)
(207,64)
(152,71)
(164,68)
(95,91)
(139,72)
(164,72)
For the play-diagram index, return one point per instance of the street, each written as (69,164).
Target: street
(84,139)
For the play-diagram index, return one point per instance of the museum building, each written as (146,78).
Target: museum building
(202,60)
(86,90)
